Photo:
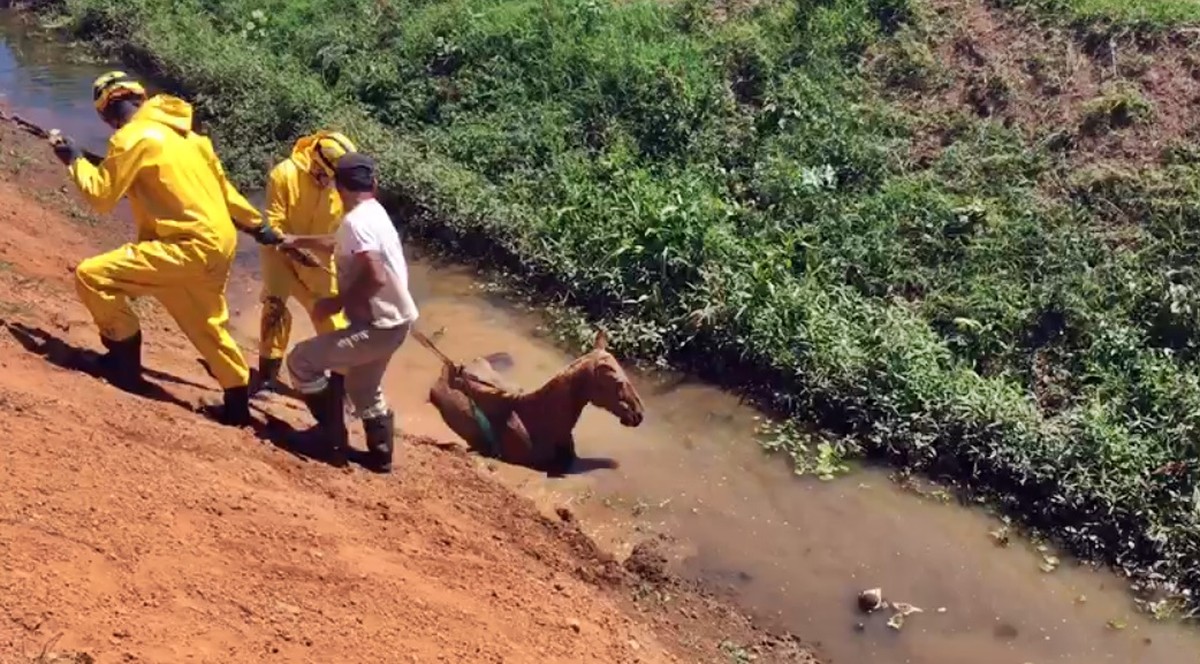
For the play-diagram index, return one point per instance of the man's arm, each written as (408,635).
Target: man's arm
(322,243)
(104,185)
(245,216)
(371,277)
(277,198)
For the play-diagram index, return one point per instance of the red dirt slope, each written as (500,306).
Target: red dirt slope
(139,532)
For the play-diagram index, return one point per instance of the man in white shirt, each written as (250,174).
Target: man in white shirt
(373,292)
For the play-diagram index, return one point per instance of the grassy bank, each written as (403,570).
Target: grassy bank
(748,189)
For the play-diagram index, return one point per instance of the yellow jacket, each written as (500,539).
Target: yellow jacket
(296,203)
(173,178)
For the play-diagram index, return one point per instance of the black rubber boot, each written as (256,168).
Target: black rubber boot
(380,433)
(327,409)
(268,374)
(122,365)
(234,409)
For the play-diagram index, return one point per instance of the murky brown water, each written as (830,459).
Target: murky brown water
(795,551)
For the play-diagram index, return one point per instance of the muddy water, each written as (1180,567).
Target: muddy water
(794,551)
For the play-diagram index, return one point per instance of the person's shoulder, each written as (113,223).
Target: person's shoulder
(283,170)
(368,212)
(137,133)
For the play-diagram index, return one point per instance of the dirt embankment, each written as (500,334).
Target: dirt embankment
(1123,98)
(133,530)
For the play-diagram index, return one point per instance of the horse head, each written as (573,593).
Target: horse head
(608,387)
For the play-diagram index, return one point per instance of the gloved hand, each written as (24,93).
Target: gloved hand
(64,148)
(266,235)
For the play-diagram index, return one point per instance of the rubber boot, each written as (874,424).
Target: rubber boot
(122,365)
(327,409)
(234,409)
(380,433)
(268,374)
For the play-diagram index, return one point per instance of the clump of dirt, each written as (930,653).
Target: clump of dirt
(648,562)
(1125,99)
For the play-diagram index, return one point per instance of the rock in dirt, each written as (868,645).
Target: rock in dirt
(647,562)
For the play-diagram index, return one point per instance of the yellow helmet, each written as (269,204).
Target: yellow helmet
(115,86)
(329,148)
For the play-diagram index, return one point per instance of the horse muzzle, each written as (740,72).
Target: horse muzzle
(631,418)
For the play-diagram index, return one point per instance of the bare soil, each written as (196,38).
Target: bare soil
(134,530)
(1068,89)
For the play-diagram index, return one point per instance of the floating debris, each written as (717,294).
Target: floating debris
(1000,536)
(870,600)
(1117,625)
(903,610)
(1049,563)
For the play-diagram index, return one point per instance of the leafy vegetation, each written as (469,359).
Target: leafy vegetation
(1143,15)
(729,190)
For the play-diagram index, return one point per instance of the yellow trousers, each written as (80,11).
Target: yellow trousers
(187,277)
(283,278)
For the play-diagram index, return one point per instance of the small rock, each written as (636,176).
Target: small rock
(574,625)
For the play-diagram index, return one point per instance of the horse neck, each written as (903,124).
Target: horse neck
(555,407)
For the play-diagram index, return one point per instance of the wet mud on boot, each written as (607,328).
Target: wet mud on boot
(330,437)
(380,433)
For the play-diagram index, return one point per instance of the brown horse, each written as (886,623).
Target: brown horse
(533,429)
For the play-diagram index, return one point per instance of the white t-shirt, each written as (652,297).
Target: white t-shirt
(368,228)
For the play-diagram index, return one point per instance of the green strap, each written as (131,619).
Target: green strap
(488,434)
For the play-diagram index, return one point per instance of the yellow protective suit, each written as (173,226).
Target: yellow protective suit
(182,206)
(297,205)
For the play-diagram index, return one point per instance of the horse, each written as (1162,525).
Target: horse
(533,429)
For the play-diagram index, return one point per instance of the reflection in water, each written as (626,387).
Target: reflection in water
(796,551)
(48,84)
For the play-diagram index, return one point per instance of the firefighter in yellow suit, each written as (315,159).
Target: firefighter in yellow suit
(185,210)
(301,200)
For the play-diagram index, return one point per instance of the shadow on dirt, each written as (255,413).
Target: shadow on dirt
(583,465)
(302,444)
(258,388)
(64,355)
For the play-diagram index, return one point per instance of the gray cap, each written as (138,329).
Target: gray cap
(355,171)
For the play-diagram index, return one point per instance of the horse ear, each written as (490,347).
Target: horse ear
(601,342)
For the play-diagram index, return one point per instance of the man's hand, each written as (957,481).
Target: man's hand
(64,148)
(327,307)
(267,235)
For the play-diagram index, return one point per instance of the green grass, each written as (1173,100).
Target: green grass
(1145,15)
(737,196)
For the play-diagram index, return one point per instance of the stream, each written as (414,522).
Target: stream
(794,552)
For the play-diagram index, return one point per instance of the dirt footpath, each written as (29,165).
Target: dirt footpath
(132,530)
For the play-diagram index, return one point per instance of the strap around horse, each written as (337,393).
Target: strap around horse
(485,425)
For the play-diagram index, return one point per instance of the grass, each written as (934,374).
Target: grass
(735,195)
(1140,15)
